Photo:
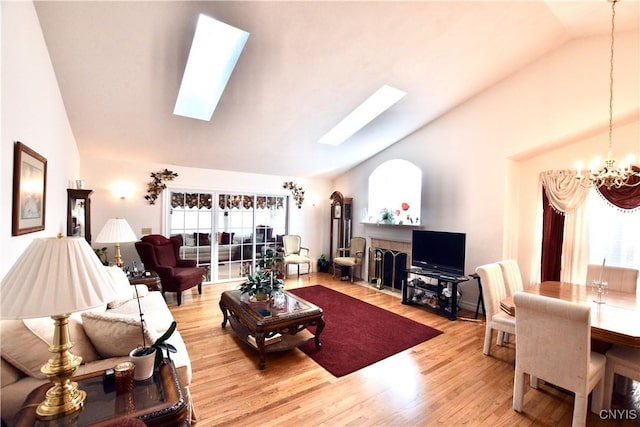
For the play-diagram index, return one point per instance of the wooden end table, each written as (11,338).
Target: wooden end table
(149,278)
(261,321)
(157,401)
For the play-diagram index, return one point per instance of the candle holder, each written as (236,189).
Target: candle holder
(600,289)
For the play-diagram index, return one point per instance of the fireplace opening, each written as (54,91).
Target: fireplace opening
(389,268)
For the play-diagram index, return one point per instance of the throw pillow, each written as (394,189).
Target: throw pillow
(115,334)
(123,287)
(25,343)
(226,238)
(202,239)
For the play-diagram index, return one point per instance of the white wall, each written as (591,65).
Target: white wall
(311,222)
(33,113)
(470,156)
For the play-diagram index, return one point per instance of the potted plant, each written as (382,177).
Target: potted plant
(269,262)
(148,357)
(261,285)
(323,264)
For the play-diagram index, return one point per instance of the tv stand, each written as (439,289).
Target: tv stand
(442,297)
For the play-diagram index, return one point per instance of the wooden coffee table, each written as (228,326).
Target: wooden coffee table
(158,401)
(261,321)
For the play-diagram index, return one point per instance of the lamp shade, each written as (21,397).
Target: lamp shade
(55,276)
(116,230)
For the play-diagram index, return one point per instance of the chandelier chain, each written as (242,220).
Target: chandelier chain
(613,27)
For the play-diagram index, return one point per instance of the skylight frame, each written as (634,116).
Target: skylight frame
(380,101)
(214,53)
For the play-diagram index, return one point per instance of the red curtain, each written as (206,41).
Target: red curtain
(625,197)
(552,237)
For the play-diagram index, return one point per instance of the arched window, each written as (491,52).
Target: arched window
(395,190)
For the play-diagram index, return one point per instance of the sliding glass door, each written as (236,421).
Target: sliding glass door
(227,233)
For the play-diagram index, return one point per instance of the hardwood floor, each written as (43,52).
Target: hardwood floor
(444,381)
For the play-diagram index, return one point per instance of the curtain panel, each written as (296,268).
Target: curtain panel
(625,198)
(568,198)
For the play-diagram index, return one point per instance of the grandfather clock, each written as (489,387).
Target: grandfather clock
(341,212)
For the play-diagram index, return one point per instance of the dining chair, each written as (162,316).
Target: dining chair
(511,275)
(493,292)
(295,254)
(623,361)
(618,278)
(554,345)
(512,281)
(351,257)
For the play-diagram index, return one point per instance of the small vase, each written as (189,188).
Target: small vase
(261,296)
(144,364)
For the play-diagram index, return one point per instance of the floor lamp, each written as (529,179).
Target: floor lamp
(67,276)
(116,230)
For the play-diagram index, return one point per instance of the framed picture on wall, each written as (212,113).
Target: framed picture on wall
(29,190)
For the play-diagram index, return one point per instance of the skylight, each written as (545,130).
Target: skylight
(371,108)
(214,53)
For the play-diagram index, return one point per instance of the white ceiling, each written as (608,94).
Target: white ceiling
(305,66)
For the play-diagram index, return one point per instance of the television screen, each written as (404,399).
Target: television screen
(439,251)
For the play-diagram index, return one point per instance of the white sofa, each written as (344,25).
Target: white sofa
(102,337)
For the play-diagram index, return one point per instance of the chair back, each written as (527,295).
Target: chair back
(356,248)
(156,250)
(493,288)
(617,278)
(291,244)
(511,275)
(554,340)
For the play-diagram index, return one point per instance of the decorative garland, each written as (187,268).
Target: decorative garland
(155,187)
(296,191)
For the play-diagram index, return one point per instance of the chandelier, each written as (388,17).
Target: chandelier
(609,175)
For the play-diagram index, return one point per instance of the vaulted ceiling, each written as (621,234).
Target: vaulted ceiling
(305,66)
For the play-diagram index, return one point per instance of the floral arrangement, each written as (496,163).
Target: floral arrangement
(386,216)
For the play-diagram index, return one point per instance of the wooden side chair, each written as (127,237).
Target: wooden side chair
(295,254)
(351,257)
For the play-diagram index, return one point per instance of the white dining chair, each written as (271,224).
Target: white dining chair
(618,278)
(493,291)
(554,345)
(511,275)
(623,361)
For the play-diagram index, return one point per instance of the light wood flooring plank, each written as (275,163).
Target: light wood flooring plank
(446,381)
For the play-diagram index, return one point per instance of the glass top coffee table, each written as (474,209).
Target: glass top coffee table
(269,329)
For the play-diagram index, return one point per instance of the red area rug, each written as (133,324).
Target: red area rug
(356,333)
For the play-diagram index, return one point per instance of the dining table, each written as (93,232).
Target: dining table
(615,315)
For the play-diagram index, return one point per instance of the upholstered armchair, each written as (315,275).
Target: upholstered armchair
(351,257)
(295,254)
(162,255)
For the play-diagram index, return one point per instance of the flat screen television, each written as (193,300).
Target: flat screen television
(439,251)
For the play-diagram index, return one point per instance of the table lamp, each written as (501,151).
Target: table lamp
(56,277)
(117,231)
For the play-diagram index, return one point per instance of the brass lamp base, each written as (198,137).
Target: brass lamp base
(64,397)
(118,257)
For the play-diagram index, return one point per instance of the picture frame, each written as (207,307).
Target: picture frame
(29,190)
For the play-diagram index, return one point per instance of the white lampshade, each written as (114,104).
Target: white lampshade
(116,230)
(55,276)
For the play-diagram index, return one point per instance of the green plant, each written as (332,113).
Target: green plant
(323,263)
(102,255)
(261,282)
(159,344)
(269,259)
